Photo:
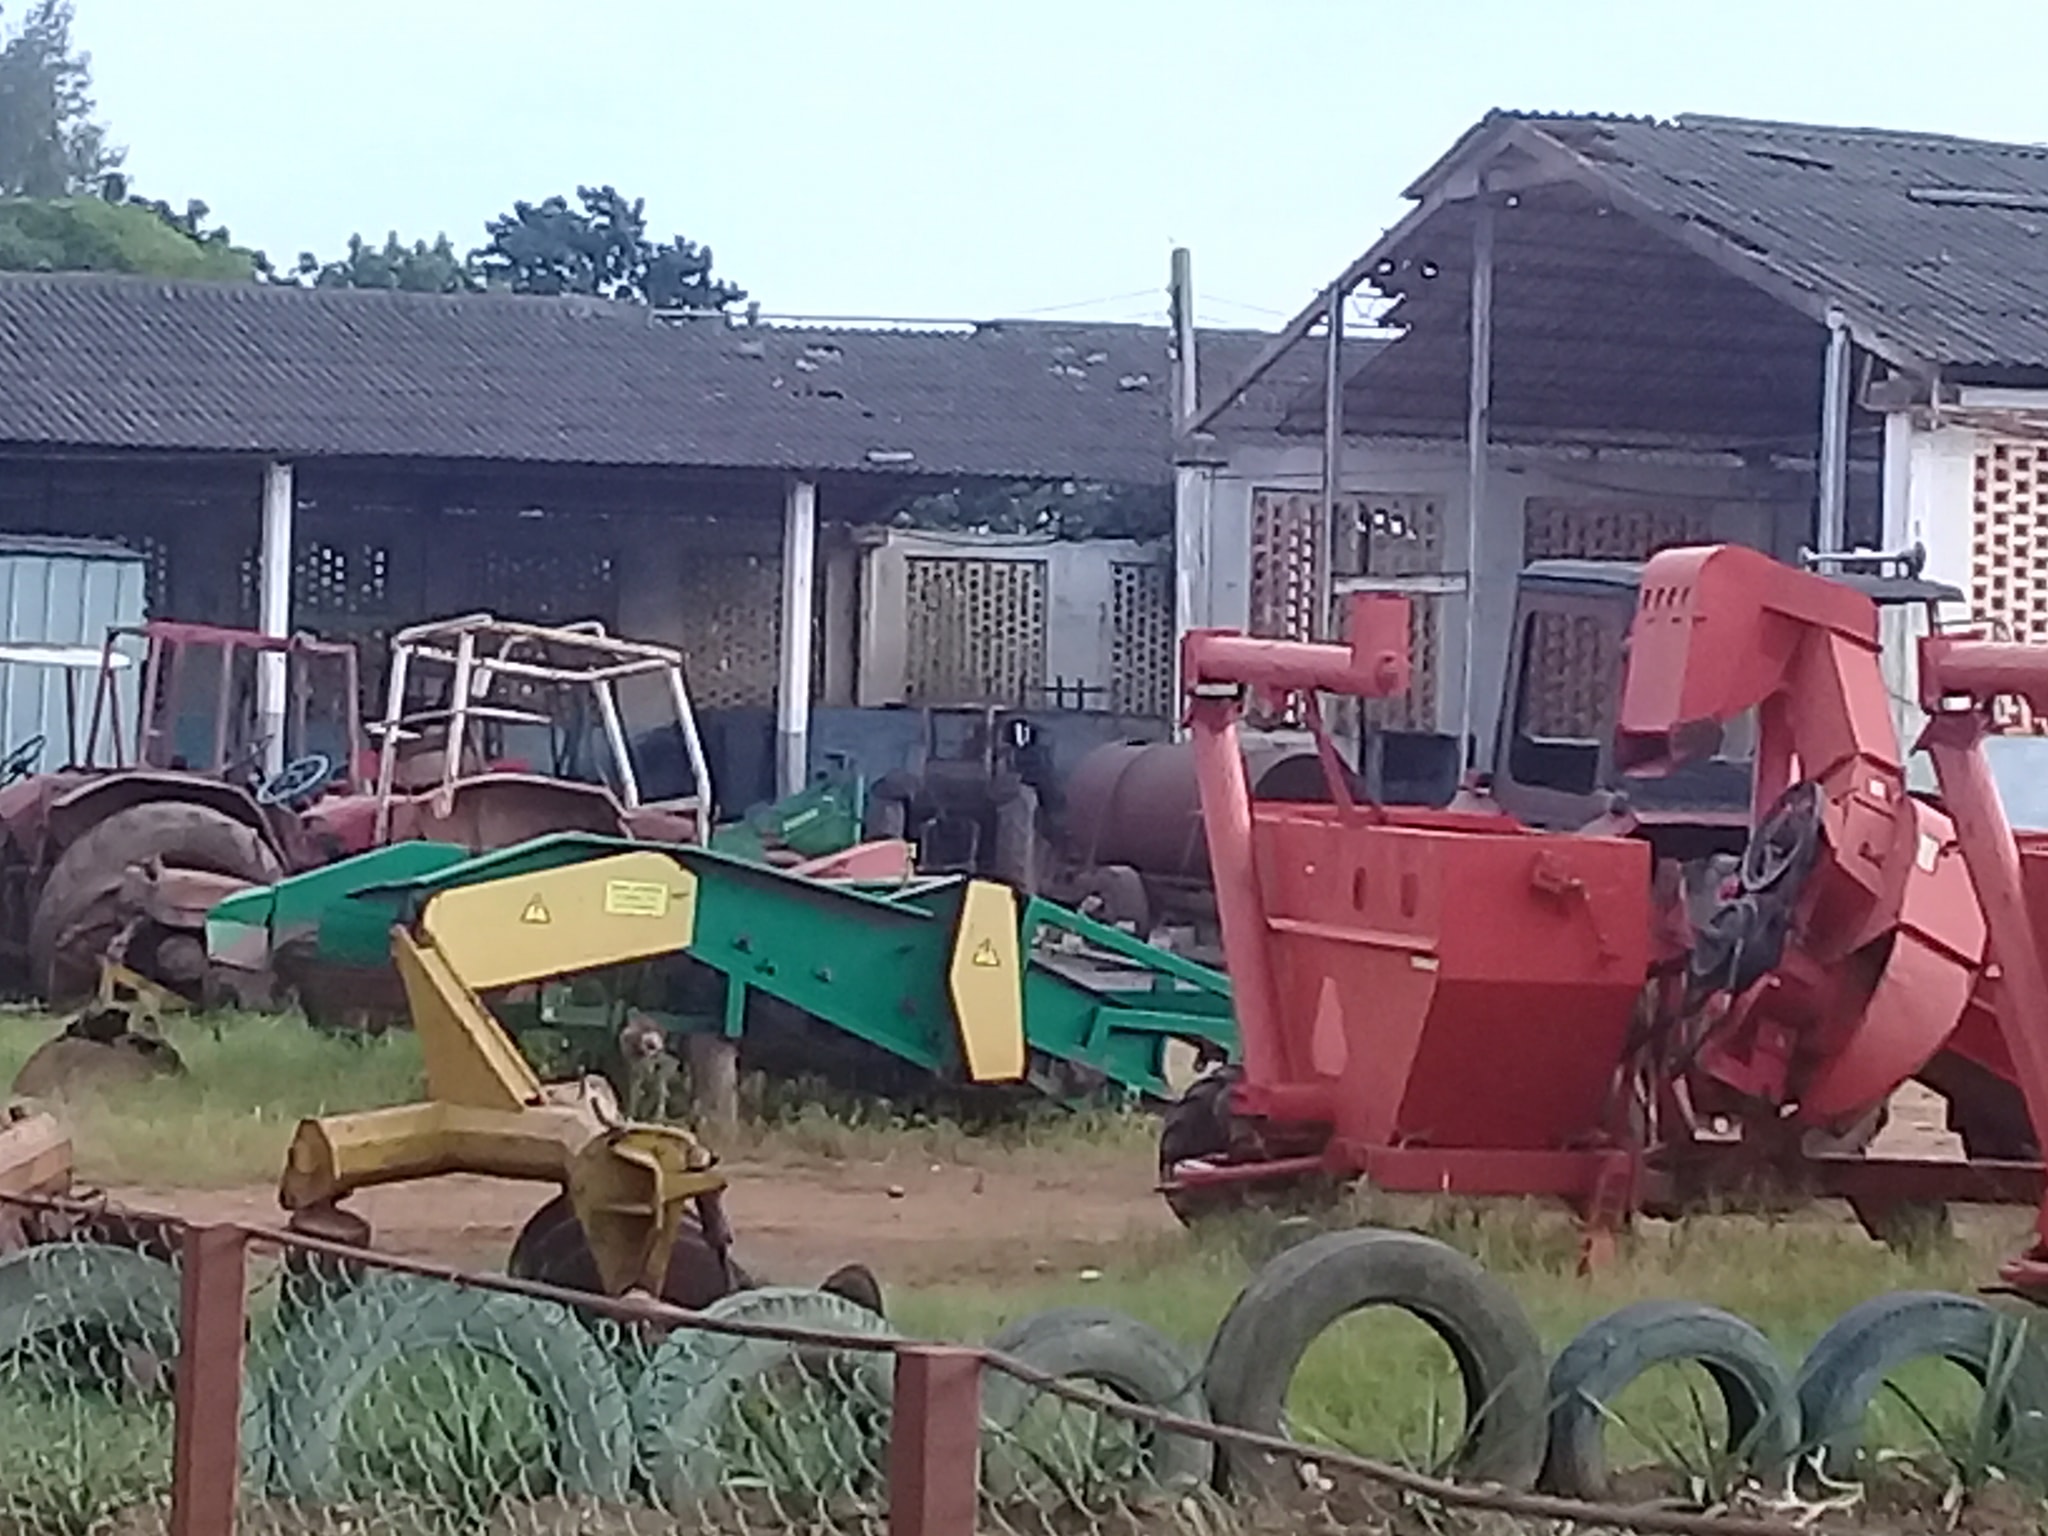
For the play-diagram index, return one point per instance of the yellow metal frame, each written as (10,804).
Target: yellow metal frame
(986,979)
(487,1110)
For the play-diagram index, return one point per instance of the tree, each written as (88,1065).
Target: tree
(601,249)
(415,268)
(49,144)
(96,234)
(1061,509)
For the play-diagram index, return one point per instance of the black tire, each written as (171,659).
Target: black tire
(79,912)
(692,1389)
(1108,1350)
(1197,1124)
(1597,1366)
(1310,1286)
(90,1295)
(1845,1369)
(551,1248)
(330,1353)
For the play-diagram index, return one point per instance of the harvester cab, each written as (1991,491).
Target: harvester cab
(1554,762)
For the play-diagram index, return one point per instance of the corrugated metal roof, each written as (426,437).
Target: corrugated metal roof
(1932,246)
(103,362)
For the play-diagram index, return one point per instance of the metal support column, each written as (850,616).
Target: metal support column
(1478,437)
(1831,525)
(793,677)
(275,600)
(1322,622)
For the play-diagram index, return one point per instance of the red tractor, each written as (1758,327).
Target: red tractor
(170,790)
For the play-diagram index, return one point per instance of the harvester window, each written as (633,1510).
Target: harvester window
(1570,667)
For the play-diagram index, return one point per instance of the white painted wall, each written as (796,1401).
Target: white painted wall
(1765,507)
(1080,638)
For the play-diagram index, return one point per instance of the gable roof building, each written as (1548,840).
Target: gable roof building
(118,363)
(1618,332)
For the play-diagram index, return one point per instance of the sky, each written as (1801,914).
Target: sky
(978,159)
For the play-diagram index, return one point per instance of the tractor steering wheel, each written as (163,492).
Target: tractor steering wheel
(16,764)
(298,780)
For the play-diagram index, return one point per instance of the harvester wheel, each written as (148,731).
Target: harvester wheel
(692,1398)
(111,1312)
(552,1249)
(1597,1366)
(80,911)
(1197,1124)
(1105,1350)
(1849,1364)
(1290,1302)
(330,1354)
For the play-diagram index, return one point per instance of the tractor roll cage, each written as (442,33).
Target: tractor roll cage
(477,649)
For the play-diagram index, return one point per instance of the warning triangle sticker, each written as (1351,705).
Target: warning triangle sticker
(536,912)
(985,953)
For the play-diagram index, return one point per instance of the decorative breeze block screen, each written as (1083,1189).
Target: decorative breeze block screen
(1375,535)
(976,631)
(2009,553)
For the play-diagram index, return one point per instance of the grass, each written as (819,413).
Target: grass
(249,1080)
(1378,1383)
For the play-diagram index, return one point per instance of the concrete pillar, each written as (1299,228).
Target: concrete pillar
(713,1065)
(274,608)
(842,619)
(793,679)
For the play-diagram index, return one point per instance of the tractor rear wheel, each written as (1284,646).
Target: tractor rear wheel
(82,910)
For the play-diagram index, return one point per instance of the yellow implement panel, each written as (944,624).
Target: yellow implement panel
(555,922)
(988,984)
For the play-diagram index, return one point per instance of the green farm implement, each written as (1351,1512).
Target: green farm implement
(948,981)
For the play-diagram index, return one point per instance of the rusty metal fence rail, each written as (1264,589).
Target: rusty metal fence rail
(198,1380)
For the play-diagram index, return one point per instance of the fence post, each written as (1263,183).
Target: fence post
(206,1458)
(935,1442)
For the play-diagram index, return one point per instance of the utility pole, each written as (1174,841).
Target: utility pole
(1180,292)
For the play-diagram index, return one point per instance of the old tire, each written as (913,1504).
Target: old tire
(1847,1366)
(330,1353)
(1308,1287)
(79,912)
(1106,1350)
(551,1248)
(691,1387)
(1598,1365)
(92,1291)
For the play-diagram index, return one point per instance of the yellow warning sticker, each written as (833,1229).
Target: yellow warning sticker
(536,912)
(985,954)
(635,898)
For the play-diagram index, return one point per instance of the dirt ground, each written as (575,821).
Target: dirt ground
(795,1224)
(918,1224)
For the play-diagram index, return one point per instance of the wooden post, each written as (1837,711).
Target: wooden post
(713,1062)
(935,1442)
(206,1455)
